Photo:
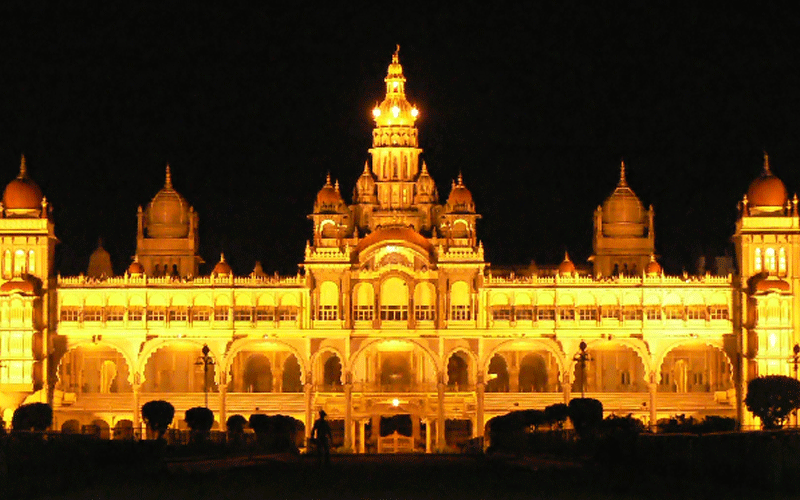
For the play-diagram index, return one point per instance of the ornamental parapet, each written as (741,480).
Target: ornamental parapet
(82,281)
(460,254)
(327,254)
(588,280)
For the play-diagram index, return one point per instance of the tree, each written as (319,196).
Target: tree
(199,419)
(586,415)
(235,426)
(772,399)
(158,415)
(556,414)
(33,416)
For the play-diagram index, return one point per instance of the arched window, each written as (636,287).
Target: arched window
(394,300)
(782,261)
(363,302)
(328,308)
(769,260)
(32,262)
(8,264)
(19,262)
(460,303)
(757,260)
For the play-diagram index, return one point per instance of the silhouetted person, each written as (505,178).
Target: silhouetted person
(321,436)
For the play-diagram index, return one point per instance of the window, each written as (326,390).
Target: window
(135,313)
(327,313)
(201,313)
(566,314)
(221,313)
(116,313)
(501,313)
(757,260)
(178,314)
(653,312)
(155,314)
(363,313)
(587,314)
(243,313)
(674,312)
(523,313)
(769,260)
(719,312)
(632,313)
(394,313)
(696,312)
(265,313)
(70,314)
(460,312)
(287,314)
(93,314)
(625,378)
(545,313)
(424,313)
(782,261)
(609,312)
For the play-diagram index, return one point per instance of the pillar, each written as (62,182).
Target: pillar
(440,440)
(348,415)
(223,406)
(427,435)
(415,430)
(478,431)
(136,412)
(653,387)
(362,436)
(566,387)
(309,416)
(513,379)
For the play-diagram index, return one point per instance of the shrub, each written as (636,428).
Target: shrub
(33,416)
(158,415)
(556,414)
(772,399)
(199,419)
(585,414)
(235,425)
(276,433)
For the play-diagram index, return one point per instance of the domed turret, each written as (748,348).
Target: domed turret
(22,196)
(365,187)
(566,268)
(222,268)
(395,109)
(767,193)
(135,269)
(623,213)
(168,213)
(100,263)
(653,268)
(426,187)
(460,199)
(329,199)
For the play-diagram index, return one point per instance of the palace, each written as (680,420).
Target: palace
(395,312)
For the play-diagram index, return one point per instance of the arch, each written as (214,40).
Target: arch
(243,345)
(292,375)
(378,361)
(123,429)
(460,293)
(329,294)
(71,426)
(171,366)
(615,366)
(99,428)
(497,378)
(84,368)
(695,367)
(533,376)
(498,299)
(458,371)
(257,375)
(332,369)
(363,294)
(394,299)
(528,345)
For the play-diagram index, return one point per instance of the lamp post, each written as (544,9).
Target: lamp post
(205,361)
(795,360)
(582,358)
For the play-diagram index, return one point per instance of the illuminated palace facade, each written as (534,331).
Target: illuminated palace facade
(395,312)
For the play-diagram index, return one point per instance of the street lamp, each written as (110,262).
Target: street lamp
(582,358)
(205,361)
(795,360)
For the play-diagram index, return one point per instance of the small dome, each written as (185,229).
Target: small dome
(653,268)
(168,213)
(767,190)
(426,187)
(566,268)
(22,195)
(26,286)
(623,213)
(136,269)
(460,199)
(100,263)
(365,187)
(767,285)
(394,234)
(329,199)
(222,268)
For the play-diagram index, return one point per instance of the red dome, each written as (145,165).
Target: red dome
(653,267)
(399,234)
(22,193)
(222,268)
(767,190)
(766,285)
(460,199)
(136,269)
(566,268)
(25,286)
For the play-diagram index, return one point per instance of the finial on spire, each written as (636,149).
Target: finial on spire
(424,168)
(366,168)
(328,179)
(396,55)
(460,179)
(221,257)
(23,169)
(622,180)
(168,179)
(336,186)
(767,171)
(566,256)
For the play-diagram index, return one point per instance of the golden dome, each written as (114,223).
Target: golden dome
(395,109)
(426,187)
(623,213)
(222,268)
(653,268)
(460,199)
(168,213)
(22,194)
(329,199)
(365,187)
(566,268)
(399,234)
(136,269)
(767,190)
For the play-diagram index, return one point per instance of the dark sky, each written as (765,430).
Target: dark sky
(252,105)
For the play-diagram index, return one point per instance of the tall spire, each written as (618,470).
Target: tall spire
(168,179)
(23,169)
(622,180)
(767,171)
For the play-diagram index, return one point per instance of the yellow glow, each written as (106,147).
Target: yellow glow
(414,112)
(395,84)
(395,111)
(376,112)
(395,402)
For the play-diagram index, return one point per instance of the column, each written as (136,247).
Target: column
(136,412)
(566,386)
(309,416)
(652,386)
(348,414)
(427,435)
(223,406)
(362,436)
(513,378)
(478,431)
(414,430)
(440,440)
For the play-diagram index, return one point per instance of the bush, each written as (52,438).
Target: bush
(772,399)
(199,419)
(556,414)
(681,424)
(158,415)
(275,433)
(33,416)
(586,415)
(235,425)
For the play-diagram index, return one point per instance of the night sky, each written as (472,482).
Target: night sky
(536,105)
